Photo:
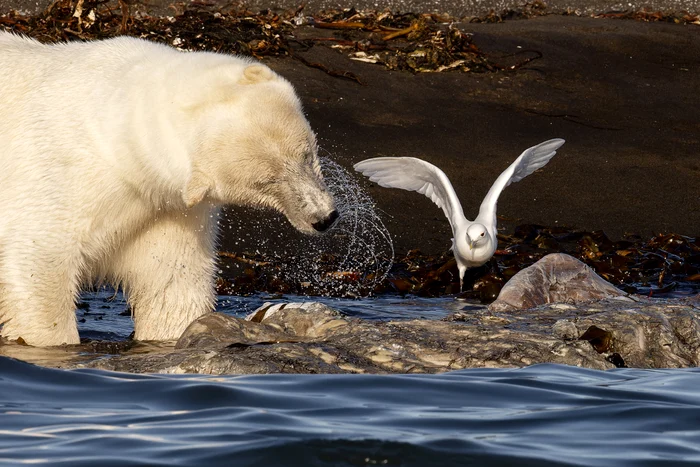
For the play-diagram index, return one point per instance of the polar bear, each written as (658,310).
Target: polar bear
(114,157)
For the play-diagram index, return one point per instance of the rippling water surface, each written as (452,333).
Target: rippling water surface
(104,315)
(542,415)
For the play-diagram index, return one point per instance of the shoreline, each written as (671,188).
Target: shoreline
(662,266)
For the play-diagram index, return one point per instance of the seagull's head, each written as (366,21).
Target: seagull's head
(477,235)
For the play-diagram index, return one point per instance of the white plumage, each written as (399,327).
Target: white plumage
(474,242)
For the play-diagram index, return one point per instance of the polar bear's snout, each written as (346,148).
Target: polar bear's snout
(315,211)
(326,223)
(306,202)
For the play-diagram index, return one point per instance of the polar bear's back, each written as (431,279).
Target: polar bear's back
(82,112)
(21,55)
(110,76)
(113,60)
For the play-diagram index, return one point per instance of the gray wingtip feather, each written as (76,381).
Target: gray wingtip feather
(550,145)
(543,152)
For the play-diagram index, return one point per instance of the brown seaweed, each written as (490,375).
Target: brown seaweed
(654,267)
(398,41)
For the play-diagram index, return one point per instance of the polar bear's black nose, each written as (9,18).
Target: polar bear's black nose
(323,225)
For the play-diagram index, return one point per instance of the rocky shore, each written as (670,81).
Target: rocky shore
(556,311)
(315,339)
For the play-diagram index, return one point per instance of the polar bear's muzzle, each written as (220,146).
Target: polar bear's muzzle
(326,223)
(310,207)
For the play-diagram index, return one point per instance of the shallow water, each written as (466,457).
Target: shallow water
(541,415)
(103,315)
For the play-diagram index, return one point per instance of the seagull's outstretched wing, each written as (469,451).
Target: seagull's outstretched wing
(530,160)
(409,173)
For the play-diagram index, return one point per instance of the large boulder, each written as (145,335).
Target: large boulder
(556,278)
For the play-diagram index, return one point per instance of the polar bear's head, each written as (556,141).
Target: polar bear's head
(256,148)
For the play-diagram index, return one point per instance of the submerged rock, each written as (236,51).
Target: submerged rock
(216,330)
(557,277)
(309,319)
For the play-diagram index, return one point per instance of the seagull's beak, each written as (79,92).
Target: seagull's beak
(470,242)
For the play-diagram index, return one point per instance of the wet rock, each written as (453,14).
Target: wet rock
(216,330)
(263,358)
(557,277)
(309,319)
(313,338)
(565,330)
(600,339)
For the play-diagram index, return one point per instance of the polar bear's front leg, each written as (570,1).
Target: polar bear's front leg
(37,292)
(167,273)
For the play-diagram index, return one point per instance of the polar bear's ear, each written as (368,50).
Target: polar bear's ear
(220,85)
(196,190)
(257,74)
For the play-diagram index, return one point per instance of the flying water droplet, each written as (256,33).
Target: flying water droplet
(356,254)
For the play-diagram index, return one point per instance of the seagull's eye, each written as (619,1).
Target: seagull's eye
(482,234)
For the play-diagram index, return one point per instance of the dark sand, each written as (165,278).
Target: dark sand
(623,93)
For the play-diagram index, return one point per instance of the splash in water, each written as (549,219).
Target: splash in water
(349,260)
(354,256)
(358,252)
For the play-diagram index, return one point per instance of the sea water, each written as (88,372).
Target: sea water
(543,415)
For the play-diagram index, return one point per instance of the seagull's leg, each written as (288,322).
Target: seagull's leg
(493,267)
(462,270)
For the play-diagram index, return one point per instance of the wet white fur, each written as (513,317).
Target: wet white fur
(114,156)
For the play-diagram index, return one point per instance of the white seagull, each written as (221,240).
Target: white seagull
(474,243)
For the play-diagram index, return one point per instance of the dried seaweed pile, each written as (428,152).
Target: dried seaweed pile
(540,8)
(415,42)
(654,267)
(198,27)
(653,16)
